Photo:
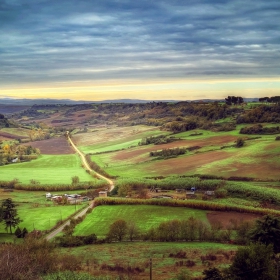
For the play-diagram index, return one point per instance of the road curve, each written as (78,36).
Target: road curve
(81,213)
(85,163)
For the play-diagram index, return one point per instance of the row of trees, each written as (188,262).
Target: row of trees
(234,100)
(191,229)
(273,99)
(265,230)
(260,114)
(255,261)
(165,153)
(157,140)
(259,129)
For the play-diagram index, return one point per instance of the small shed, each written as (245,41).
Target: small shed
(102,194)
(210,193)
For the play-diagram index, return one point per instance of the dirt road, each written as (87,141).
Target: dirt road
(60,228)
(86,165)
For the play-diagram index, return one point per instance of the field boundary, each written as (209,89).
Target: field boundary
(202,205)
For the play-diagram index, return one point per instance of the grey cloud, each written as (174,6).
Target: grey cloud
(62,40)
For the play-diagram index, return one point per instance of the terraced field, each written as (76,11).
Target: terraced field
(217,155)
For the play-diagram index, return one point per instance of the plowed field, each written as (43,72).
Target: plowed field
(53,146)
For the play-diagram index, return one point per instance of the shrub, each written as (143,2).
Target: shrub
(18,232)
(240,142)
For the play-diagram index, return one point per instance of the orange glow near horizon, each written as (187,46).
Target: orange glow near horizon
(180,89)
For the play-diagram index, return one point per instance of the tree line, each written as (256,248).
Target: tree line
(259,129)
(10,151)
(166,153)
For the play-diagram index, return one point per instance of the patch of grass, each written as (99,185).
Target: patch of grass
(145,217)
(42,217)
(47,169)
(138,254)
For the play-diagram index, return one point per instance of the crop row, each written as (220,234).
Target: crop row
(171,183)
(246,190)
(55,187)
(203,205)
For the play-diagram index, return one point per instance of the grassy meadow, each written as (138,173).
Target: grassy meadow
(47,169)
(145,217)
(40,216)
(165,264)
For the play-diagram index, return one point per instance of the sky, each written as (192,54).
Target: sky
(151,50)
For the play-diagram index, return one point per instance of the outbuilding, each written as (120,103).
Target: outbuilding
(102,194)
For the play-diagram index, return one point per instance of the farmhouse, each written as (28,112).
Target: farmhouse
(102,194)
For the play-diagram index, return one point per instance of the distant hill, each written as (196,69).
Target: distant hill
(48,101)
(30,102)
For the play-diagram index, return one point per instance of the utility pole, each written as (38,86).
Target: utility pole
(277,259)
(151,269)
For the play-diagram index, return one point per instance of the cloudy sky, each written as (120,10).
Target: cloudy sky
(161,49)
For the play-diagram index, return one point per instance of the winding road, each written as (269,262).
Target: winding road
(85,163)
(81,213)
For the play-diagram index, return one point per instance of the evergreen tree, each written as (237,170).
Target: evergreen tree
(9,214)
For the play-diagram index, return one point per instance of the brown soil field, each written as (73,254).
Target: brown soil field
(53,146)
(261,169)
(105,134)
(185,164)
(8,136)
(212,141)
(225,217)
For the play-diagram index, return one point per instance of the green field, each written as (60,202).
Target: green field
(138,254)
(37,212)
(259,158)
(47,169)
(145,217)
(42,217)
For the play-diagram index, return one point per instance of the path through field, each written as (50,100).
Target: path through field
(87,167)
(60,228)
(85,163)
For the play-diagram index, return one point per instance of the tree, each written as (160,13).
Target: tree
(253,262)
(117,230)
(234,100)
(75,180)
(212,273)
(132,230)
(267,231)
(9,214)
